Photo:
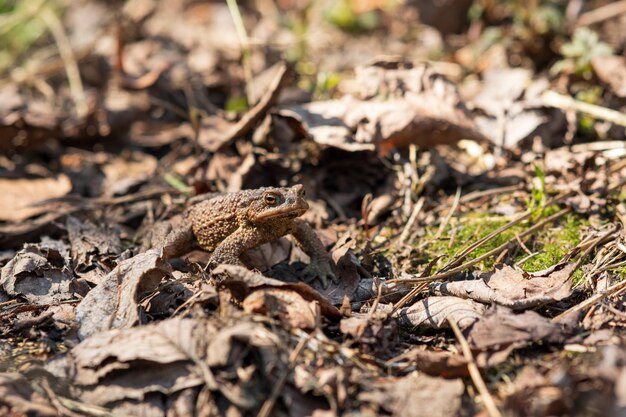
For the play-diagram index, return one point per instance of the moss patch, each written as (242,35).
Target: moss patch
(550,244)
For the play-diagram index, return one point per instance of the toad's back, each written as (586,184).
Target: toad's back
(214,220)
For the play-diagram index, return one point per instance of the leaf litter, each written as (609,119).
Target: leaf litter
(470,195)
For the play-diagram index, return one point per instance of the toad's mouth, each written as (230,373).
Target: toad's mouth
(280,214)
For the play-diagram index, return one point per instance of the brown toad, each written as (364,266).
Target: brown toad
(230,224)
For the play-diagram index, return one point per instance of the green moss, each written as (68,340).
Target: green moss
(550,244)
(463,232)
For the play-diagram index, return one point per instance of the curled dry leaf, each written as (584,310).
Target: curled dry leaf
(433,312)
(20,196)
(127,171)
(422,108)
(91,245)
(288,305)
(242,282)
(509,105)
(127,364)
(123,369)
(417,395)
(611,70)
(216,132)
(501,330)
(40,274)
(17,398)
(435,362)
(347,270)
(114,303)
(512,288)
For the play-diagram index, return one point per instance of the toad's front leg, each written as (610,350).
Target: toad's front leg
(320,266)
(230,249)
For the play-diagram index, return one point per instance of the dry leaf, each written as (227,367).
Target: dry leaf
(20,196)
(38,273)
(241,281)
(114,303)
(17,398)
(433,312)
(500,331)
(121,364)
(216,133)
(611,70)
(512,288)
(421,107)
(289,306)
(417,395)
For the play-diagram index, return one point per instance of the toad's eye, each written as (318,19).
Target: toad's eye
(272,199)
(303,193)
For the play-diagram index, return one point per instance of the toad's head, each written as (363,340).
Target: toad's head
(277,203)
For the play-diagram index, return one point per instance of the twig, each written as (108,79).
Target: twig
(69,61)
(446,220)
(411,221)
(474,195)
(608,11)
(245,49)
(552,99)
(592,300)
(472,368)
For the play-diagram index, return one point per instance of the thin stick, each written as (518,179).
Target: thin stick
(608,11)
(474,195)
(592,300)
(552,99)
(69,61)
(446,220)
(477,379)
(245,49)
(411,221)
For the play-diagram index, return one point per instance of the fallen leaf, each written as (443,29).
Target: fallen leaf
(20,196)
(435,362)
(114,303)
(417,395)
(433,312)
(421,108)
(216,133)
(18,398)
(127,364)
(500,331)
(241,281)
(39,273)
(293,310)
(347,270)
(509,106)
(92,246)
(512,288)
(611,70)
(374,335)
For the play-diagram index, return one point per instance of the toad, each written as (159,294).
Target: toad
(230,224)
